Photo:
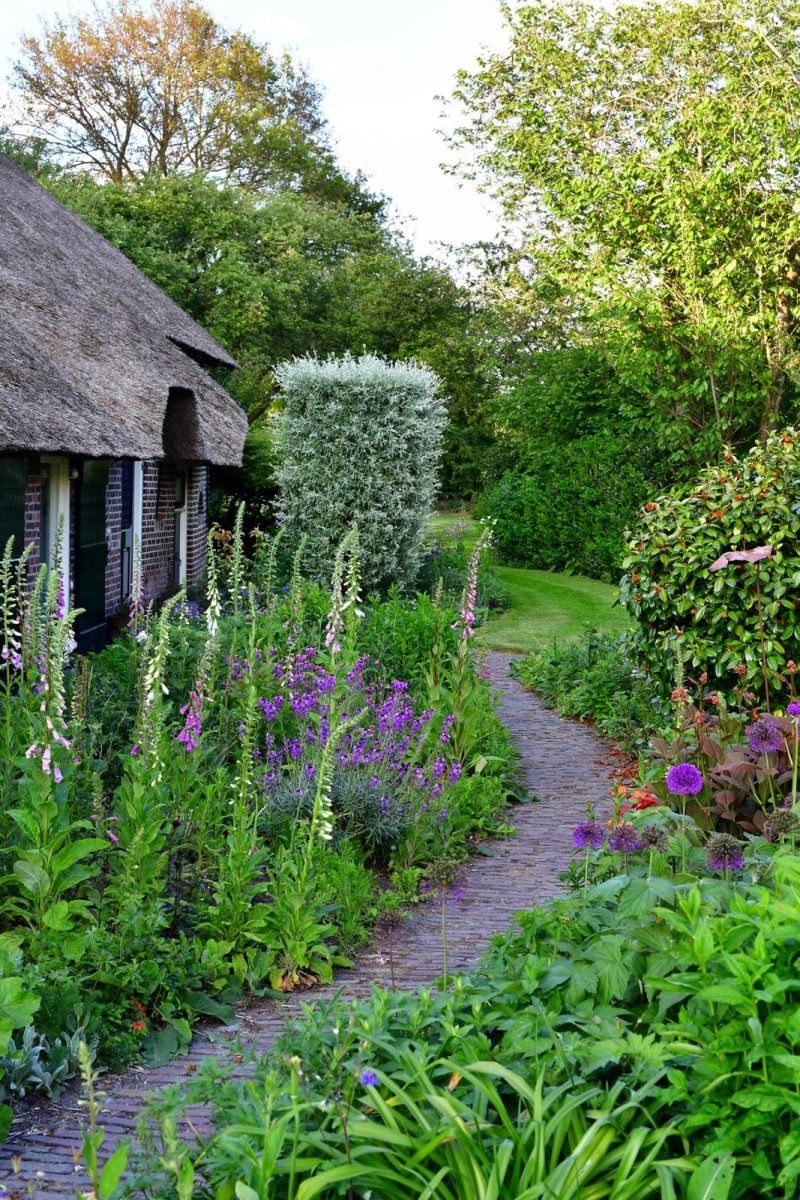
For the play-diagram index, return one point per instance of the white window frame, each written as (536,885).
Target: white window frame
(58,484)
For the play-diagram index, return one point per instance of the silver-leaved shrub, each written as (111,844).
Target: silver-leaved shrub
(359,443)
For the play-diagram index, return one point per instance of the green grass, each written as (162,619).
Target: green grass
(544,605)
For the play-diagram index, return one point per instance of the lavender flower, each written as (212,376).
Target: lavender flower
(724,853)
(764,735)
(684,779)
(589,835)
(624,838)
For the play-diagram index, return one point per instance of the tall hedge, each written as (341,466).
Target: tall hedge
(570,509)
(360,442)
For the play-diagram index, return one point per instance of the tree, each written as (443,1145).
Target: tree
(162,88)
(651,156)
(279,275)
(359,444)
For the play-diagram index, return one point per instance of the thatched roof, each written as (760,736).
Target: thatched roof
(90,348)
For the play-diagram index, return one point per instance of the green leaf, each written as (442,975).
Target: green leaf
(17,1005)
(713,1178)
(199,1002)
(244,1192)
(73,853)
(32,877)
(113,1171)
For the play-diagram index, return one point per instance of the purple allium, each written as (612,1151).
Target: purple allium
(724,853)
(651,837)
(779,824)
(764,735)
(623,837)
(793,710)
(684,779)
(589,835)
(369,1079)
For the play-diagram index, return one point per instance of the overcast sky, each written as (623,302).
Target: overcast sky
(381,65)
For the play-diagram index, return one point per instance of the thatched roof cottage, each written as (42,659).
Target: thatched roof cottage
(108,414)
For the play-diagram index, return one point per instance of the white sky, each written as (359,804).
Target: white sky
(381,64)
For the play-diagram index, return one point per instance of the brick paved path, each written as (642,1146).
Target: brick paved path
(565,765)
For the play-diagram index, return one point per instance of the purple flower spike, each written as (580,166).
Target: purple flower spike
(589,835)
(764,735)
(684,780)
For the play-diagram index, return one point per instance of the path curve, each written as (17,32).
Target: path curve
(564,764)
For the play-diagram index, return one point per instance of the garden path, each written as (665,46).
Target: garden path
(564,765)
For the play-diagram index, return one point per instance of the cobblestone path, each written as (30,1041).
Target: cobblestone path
(564,766)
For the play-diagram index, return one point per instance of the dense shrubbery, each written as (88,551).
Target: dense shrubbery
(191,815)
(705,621)
(360,443)
(571,512)
(638,1039)
(596,679)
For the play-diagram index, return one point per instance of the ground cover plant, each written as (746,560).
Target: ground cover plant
(200,811)
(595,678)
(637,1038)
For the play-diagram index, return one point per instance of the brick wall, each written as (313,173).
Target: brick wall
(158,529)
(196,522)
(114,597)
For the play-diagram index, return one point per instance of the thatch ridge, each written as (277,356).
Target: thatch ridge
(90,348)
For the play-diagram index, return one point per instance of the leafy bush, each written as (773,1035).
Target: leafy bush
(447,558)
(653,1004)
(570,512)
(706,620)
(595,678)
(359,444)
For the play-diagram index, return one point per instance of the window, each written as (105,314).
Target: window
(55,503)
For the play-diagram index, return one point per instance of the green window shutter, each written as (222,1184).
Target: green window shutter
(13,481)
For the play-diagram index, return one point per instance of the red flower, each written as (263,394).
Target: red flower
(138,1025)
(646,802)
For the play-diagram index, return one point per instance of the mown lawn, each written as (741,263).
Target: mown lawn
(544,605)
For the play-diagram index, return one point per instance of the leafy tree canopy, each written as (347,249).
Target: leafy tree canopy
(651,157)
(158,86)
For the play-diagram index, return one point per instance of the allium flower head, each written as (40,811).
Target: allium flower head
(624,838)
(651,837)
(724,853)
(589,835)
(780,824)
(793,709)
(684,779)
(764,735)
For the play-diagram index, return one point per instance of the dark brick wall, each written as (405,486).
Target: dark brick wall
(158,530)
(196,522)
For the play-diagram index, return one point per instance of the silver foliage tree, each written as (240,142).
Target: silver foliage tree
(360,444)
